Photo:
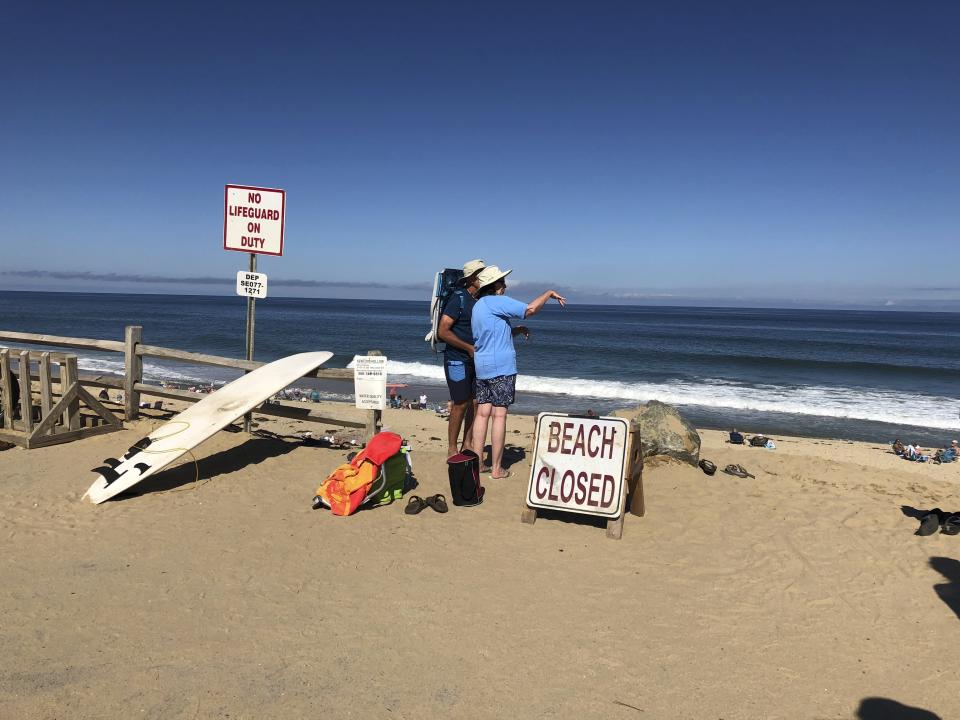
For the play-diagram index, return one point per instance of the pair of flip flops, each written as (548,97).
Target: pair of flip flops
(416,503)
(937,519)
(738,470)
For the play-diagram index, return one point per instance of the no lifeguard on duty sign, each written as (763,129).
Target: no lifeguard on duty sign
(253,219)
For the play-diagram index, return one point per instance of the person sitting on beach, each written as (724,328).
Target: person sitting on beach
(946,455)
(423,401)
(736,438)
(495,359)
(898,447)
(915,453)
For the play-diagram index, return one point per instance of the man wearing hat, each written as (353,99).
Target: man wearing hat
(456,331)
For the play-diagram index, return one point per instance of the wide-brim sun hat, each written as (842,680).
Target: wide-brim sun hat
(490,274)
(472,267)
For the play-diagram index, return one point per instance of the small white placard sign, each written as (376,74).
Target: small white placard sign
(252,284)
(370,381)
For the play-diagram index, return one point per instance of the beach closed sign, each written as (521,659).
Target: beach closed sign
(579,464)
(253,219)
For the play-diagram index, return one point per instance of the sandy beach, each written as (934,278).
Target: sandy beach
(802,593)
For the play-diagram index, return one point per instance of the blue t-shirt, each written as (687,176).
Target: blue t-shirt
(459,307)
(494,354)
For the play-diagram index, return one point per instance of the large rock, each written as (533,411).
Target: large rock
(663,431)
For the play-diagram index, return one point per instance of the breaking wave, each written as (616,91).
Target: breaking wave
(838,402)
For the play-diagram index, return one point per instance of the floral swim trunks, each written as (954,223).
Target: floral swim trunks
(499,391)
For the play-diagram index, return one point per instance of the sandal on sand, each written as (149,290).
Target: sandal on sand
(929,524)
(502,477)
(708,467)
(437,502)
(951,526)
(738,470)
(414,505)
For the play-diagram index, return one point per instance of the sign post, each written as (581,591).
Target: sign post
(585,465)
(253,223)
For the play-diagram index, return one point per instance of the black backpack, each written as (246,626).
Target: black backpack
(464,472)
(445,284)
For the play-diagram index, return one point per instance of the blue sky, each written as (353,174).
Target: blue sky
(764,152)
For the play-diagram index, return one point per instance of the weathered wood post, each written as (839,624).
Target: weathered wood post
(6,389)
(374,417)
(46,393)
(26,396)
(638,505)
(69,376)
(133,371)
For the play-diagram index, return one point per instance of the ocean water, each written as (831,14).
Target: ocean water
(846,374)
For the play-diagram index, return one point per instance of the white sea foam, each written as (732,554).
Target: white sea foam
(151,371)
(854,403)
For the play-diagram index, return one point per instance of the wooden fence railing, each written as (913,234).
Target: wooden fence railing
(33,426)
(132,384)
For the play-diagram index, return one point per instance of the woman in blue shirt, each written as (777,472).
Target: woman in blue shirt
(495,359)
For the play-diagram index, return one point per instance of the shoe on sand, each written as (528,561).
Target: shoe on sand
(414,505)
(738,470)
(929,524)
(708,467)
(438,503)
(951,526)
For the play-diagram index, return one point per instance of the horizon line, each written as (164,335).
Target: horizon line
(745,304)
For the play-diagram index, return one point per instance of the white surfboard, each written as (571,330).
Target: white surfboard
(199,422)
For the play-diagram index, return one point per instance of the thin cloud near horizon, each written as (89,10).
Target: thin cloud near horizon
(707,297)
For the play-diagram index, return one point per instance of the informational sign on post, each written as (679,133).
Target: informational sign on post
(579,464)
(252,284)
(253,219)
(370,381)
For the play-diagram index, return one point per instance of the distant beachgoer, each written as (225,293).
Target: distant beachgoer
(495,359)
(456,332)
(423,402)
(315,395)
(591,413)
(736,438)
(103,395)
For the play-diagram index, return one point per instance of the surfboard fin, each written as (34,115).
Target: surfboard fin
(142,467)
(107,473)
(141,444)
(111,462)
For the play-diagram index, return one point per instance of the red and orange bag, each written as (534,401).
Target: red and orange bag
(350,484)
